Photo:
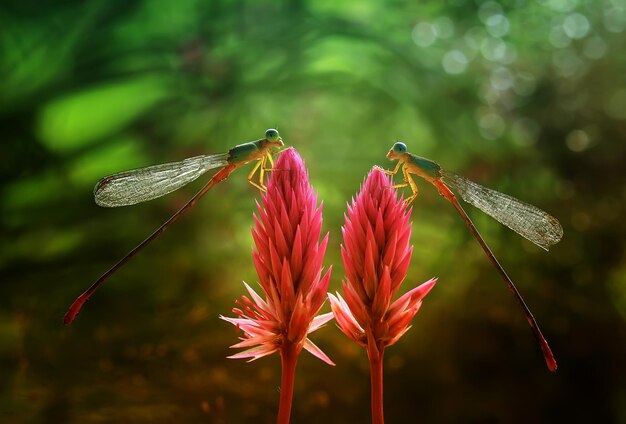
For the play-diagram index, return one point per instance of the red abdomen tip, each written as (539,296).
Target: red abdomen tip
(71,313)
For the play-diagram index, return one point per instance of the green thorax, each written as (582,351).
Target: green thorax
(425,168)
(246,152)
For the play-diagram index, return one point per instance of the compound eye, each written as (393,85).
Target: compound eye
(272,135)
(399,147)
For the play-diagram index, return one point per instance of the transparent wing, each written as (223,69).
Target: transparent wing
(140,185)
(527,220)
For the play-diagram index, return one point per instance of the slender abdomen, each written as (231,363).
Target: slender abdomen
(225,172)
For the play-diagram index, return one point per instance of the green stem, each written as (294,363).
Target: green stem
(375,356)
(289,359)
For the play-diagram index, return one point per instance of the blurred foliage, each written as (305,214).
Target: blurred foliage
(525,96)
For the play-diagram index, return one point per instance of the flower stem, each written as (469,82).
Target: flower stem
(289,359)
(375,356)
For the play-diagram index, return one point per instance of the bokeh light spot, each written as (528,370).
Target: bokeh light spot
(444,27)
(561,5)
(474,37)
(524,83)
(424,34)
(493,49)
(489,9)
(558,38)
(491,125)
(578,141)
(501,79)
(576,25)
(615,19)
(454,62)
(497,25)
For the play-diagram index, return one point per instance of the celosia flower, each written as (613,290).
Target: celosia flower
(267,328)
(376,256)
(288,260)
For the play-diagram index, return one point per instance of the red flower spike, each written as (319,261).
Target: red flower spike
(288,260)
(376,256)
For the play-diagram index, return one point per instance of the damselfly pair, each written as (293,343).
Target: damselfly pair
(140,185)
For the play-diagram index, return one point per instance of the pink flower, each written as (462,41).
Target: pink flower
(376,256)
(288,259)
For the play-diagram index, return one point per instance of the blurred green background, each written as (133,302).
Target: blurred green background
(524,96)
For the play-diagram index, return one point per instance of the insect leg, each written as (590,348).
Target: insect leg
(251,174)
(395,171)
(278,152)
(262,173)
(408,180)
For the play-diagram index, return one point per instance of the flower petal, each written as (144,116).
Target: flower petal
(253,341)
(319,321)
(257,299)
(317,352)
(345,320)
(255,353)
